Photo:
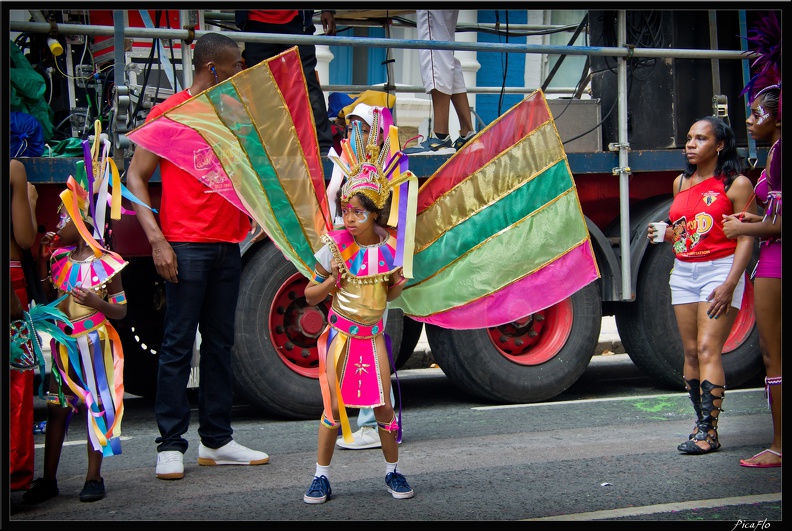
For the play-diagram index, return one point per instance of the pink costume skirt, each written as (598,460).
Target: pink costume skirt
(769,265)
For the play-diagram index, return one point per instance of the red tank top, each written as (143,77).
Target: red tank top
(272,16)
(189,210)
(696,217)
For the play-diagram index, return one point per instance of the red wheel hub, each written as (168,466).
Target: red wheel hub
(536,338)
(294,326)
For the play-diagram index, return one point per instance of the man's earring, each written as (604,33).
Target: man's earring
(215,75)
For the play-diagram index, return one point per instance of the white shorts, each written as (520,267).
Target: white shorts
(439,68)
(695,281)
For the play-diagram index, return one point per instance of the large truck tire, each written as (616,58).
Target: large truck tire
(650,335)
(533,360)
(276,363)
(411,334)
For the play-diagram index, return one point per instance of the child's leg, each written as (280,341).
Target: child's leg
(327,439)
(58,416)
(385,414)
(57,421)
(94,463)
(390,448)
(328,432)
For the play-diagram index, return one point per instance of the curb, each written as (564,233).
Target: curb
(422,356)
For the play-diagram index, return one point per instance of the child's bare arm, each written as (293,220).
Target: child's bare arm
(113,310)
(316,293)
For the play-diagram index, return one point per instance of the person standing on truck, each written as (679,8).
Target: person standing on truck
(88,362)
(23,231)
(764,123)
(356,266)
(708,277)
(443,79)
(196,250)
(292,22)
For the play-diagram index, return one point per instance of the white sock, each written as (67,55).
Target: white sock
(390,467)
(322,471)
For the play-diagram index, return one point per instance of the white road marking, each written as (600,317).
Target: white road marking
(664,508)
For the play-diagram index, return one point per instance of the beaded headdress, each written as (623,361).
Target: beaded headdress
(366,163)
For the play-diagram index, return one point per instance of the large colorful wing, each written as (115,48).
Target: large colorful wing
(500,232)
(252,139)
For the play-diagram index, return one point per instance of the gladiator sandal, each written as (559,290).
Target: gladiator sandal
(708,425)
(694,393)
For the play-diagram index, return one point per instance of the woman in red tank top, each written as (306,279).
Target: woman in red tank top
(708,277)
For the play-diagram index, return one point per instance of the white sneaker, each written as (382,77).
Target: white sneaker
(170,464)
(230,454)
(366,437)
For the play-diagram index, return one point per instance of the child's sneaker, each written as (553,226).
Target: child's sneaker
(93,490)
(319,490)
(41,490)
(398,486)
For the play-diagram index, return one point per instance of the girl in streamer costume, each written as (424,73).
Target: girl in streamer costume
(90,369)
(356,267)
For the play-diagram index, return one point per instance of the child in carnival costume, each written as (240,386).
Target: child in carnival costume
(88,368)
(358,268)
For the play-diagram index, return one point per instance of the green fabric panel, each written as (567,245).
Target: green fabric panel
(223,97)
(484,224)
(510,255)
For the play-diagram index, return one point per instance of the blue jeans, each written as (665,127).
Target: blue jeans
(366,414)
(204,298)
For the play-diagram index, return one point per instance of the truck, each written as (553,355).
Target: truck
(623,177)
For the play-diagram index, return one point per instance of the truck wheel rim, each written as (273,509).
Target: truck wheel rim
(294,327)
(537,338)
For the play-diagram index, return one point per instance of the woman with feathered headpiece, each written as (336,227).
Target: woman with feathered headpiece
(764,124)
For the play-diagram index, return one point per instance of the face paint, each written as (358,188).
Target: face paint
(64,219)
(763,115)
(357,213)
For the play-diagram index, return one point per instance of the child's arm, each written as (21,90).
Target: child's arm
(397,285)
(44,256)
(112,310)
(324,284)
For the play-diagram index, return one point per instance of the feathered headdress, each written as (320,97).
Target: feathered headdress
(377,172)
(765,40)
(97,185)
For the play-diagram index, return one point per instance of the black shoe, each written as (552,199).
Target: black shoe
(93,490)
(41,490)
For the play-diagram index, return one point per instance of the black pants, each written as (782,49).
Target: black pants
(255,52)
